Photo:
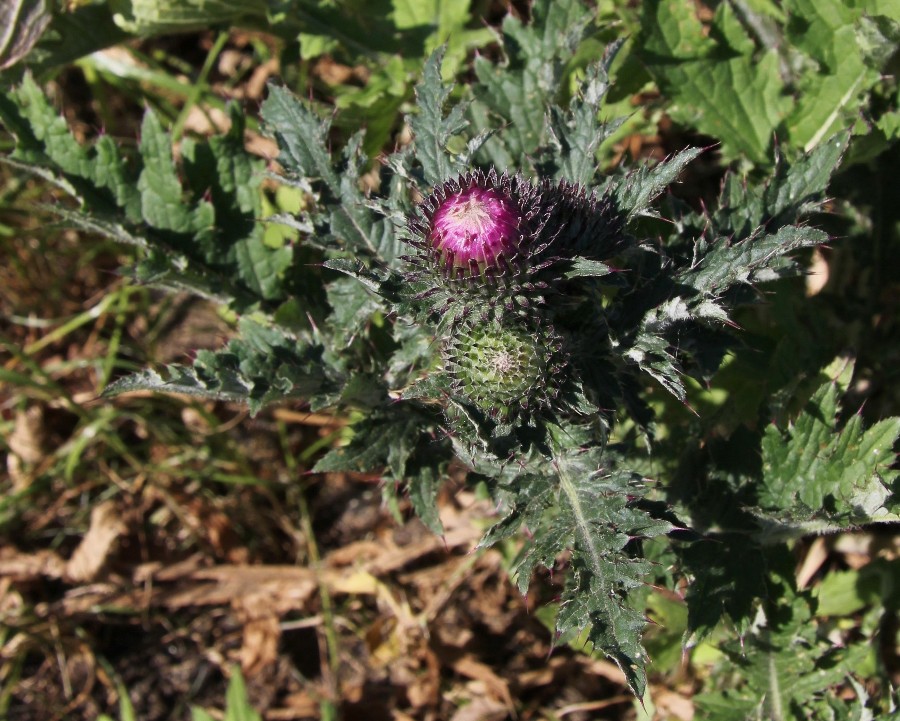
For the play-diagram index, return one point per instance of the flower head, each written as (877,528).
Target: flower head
(473,226)
(504,368)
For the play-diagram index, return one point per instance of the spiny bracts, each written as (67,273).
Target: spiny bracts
(487,242)
(474,238)
(475,225)
(506,370)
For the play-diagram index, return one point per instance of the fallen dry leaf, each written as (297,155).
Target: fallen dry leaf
(30,566)
(262,632)
(673,705)
(90,555)
(27,444)
(257,82)
(481,709)
(471,668)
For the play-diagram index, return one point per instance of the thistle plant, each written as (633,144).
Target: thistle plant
(501,302)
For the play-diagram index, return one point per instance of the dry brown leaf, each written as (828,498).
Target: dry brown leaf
(299,705)
(29,437)
(401,557)
(817,274)
(604,669)
(355,553)
(812,562)
(257,82)
(262,147)
(205,120)
(423,689)
(90,555)
(288,587)
(356,584)
(261,631)
(471,668)
(400,716)
(30,566)
(27,444)
(673,705)
(481,709)
(594,705)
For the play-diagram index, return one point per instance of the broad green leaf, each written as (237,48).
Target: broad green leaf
(262,269)
(51,131)
(162,201)
(154,17)
(737,99)
(832,34)
(801,79)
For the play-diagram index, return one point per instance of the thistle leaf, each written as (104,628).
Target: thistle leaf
(642,186)
(520,92)
(815,473)
(754,260)
(302,138)
(595,516)
(258,368)
(576,135)
(433,130)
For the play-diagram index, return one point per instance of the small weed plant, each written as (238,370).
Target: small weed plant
(493,298)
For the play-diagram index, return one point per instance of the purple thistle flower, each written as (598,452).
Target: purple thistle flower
(474,228)
(475,225)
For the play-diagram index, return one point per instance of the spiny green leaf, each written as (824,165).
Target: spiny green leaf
(716,592)
(391,440)
(640,187)
(423,492)
(756,259)
(815,472)
(652,354)
(302,137)
(521,92)
(785,666)
(577,134)
(432,128)
(260,367)
(596,518)
(353,305)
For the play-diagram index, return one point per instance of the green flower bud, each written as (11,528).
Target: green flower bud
(504,370)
